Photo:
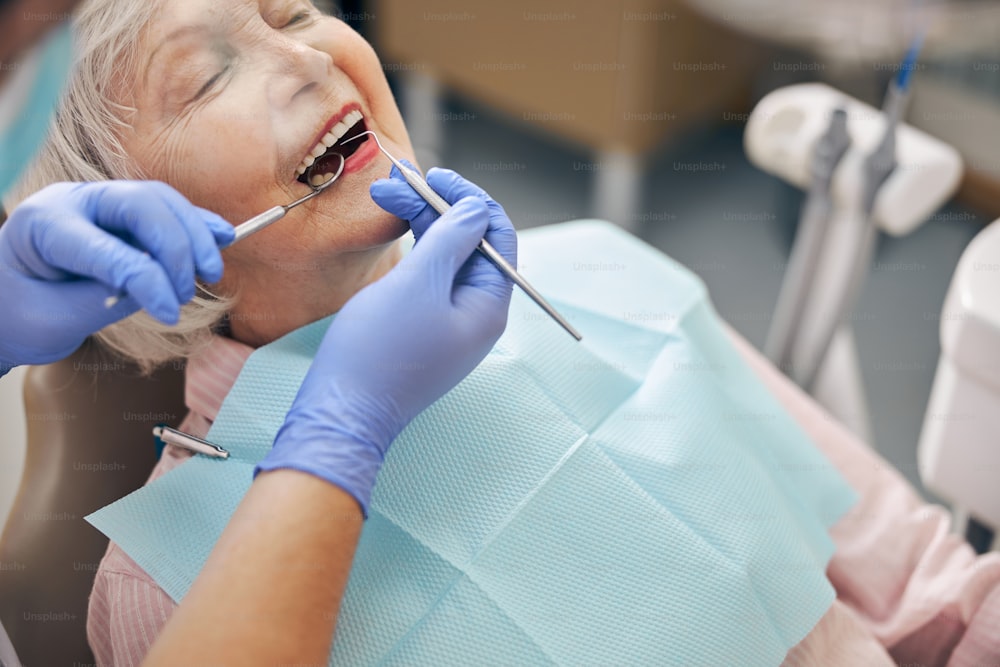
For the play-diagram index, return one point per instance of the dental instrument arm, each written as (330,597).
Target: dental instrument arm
(808,245)
(860,232)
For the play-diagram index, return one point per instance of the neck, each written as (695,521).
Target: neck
(283,297)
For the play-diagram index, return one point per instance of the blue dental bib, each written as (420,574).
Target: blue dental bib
(637,498)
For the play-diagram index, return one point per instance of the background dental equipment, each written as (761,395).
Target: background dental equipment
(417,182)
(958,457)
(808,246)
(859,230)
(780,137)
(261,221)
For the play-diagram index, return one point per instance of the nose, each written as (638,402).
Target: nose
(300,70)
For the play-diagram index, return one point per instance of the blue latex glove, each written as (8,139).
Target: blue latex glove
(68,247)
(402,342)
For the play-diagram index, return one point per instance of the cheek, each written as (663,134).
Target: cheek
(211,161)
(358,60)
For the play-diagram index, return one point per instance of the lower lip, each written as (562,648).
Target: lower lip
(362,157)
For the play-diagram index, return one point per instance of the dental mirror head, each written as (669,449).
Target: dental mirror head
(320,182)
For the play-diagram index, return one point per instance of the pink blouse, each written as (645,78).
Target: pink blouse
(908,591)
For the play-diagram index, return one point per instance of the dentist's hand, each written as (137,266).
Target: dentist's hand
(68,247)
(403,341)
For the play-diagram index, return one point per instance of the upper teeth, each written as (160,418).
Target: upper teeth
(335,134)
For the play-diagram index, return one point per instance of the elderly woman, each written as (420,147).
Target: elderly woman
(230,102)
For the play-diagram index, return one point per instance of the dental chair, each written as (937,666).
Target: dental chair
(958,454)
(89,442)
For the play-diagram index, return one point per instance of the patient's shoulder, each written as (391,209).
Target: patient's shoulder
(170,459)
(126,610)
(116,561)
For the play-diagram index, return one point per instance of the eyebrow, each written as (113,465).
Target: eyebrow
(175,35)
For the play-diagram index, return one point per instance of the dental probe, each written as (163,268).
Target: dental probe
(417,182)
(258,222)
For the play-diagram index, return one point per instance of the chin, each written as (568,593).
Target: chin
(385,228)
(373,229)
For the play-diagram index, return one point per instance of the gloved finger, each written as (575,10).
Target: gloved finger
(86,250)
(452,186)
(206,230)
(486,302)
(481,273)
(148,284)
(501,234)
(398,198)
(479,277)
(396,174)
(395,195)
(89,296)
(222,230)
(447,245)
(140,210)
(428,214)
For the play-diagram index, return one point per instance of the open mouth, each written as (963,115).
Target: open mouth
(322,162)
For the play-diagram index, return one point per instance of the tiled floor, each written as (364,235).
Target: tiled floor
(734,226)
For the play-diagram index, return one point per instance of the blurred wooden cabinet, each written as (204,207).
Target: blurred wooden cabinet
(612,75)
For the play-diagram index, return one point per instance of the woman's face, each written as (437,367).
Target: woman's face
(232,96)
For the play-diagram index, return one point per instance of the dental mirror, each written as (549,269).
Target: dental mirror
(259,222)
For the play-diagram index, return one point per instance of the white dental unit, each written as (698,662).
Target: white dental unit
(958,454)
(781,136)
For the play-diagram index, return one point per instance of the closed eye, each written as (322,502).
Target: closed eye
(208,84)
(298,18)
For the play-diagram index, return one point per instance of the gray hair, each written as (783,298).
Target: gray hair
(84,145)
